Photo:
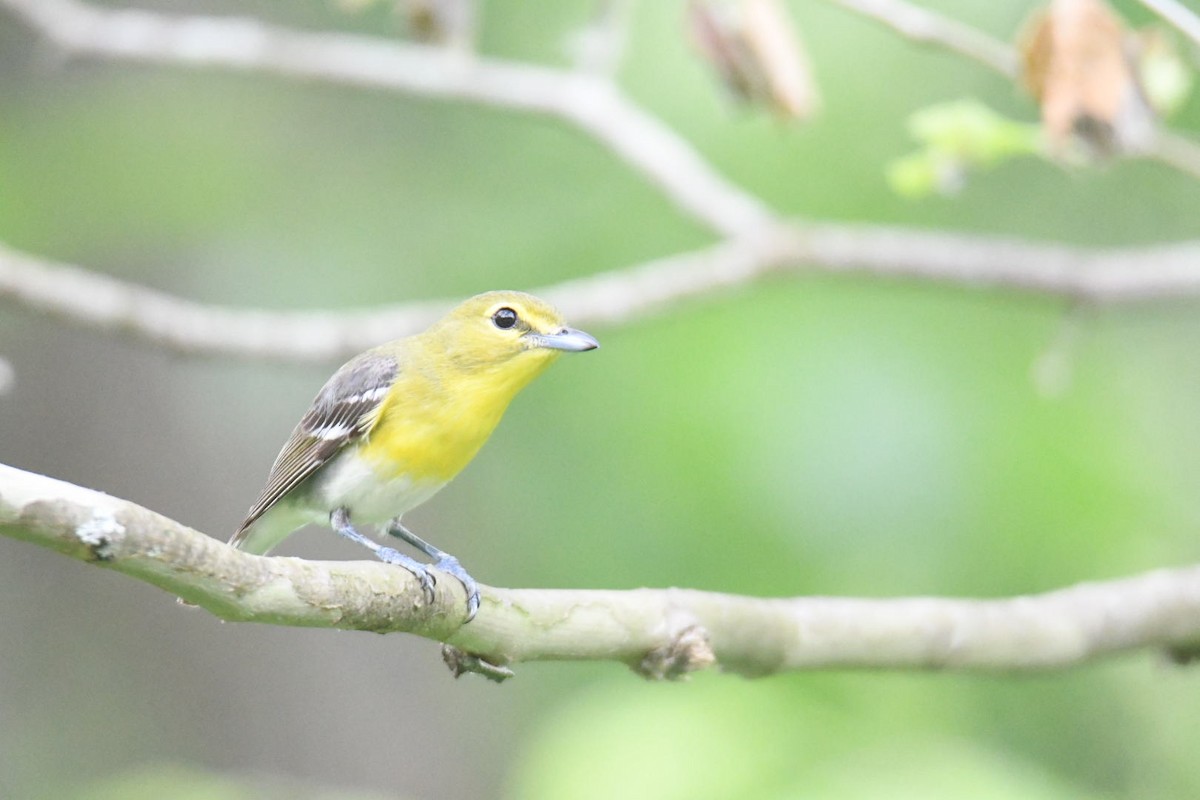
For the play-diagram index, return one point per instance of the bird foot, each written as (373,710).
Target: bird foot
(389,555)
(449,564)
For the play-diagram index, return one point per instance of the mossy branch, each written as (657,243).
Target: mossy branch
(661,633)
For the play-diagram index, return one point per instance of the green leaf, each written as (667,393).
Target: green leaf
(958,136)
(972,132)
(1165,77)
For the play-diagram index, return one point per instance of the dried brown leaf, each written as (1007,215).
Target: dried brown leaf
(757,53)
(1077,62)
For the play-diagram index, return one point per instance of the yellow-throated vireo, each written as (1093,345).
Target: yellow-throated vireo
(396,423)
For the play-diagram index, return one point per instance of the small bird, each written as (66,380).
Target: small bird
(395,424)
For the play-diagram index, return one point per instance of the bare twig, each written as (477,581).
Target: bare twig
(659,632)
(599,46)
(590,102)
(1095,276)
(927,27)
(1176,151)
(1091,275)
(756,244)
(1180,16)
(92,300)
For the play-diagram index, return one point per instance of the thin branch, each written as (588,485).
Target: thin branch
(1091,275)
(659,632)
(92,300)
(599,46)
(1095,276)
(1180,16)
(589,102)
(927,27)
(1176,151)
(757,244)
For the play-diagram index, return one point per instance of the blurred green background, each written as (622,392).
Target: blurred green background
(803,436)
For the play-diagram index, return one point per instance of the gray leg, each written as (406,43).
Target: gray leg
(441,560)
(339,520)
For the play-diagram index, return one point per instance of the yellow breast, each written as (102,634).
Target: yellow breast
(432,424)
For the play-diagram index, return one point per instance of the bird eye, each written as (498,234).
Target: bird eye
(504,318)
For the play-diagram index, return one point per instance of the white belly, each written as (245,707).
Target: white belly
(341,483)
(350,483)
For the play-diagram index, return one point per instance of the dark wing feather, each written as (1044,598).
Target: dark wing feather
(344,410)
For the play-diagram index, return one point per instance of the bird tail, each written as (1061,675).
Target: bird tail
(260,536)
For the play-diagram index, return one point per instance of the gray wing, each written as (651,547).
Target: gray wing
(345,409)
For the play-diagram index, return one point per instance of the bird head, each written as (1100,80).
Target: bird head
(510,331)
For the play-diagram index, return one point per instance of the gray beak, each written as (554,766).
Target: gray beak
(568,339)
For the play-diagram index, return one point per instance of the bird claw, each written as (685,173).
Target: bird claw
(446,563)
(449,564)
(427,580)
